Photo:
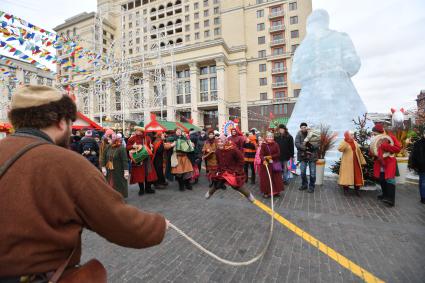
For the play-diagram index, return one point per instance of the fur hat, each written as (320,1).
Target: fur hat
(34,95)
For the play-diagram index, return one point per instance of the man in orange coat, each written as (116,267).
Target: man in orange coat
(50,193)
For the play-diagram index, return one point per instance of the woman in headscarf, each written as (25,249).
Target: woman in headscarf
(158,159)
(270,157)
(350,171)
(183,169)
(249,150)
(230,169)
(115,164)
(208,151)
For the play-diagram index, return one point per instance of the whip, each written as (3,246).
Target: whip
(229,262)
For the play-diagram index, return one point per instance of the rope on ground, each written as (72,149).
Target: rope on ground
(229,262)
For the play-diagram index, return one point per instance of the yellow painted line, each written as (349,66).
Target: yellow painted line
(339,258)
(410,182)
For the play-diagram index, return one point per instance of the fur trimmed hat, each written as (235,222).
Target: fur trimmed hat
(34,95)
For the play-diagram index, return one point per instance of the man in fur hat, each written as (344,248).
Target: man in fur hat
(50,193)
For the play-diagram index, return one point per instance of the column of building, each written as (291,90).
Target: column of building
(223,110)
(243,96)
(147,83)
(170,93)
(194,94)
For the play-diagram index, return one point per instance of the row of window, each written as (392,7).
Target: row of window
(277,51)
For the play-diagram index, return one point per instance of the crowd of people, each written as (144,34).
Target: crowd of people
(153,159)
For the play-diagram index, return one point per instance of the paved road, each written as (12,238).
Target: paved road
(388,242)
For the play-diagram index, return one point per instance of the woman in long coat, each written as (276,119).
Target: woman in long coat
(350,171)
(115,165)
(183,171)
(269,154)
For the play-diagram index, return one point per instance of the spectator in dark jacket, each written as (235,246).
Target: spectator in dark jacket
(417,163)
(75,143)
(286,145)
(90,149)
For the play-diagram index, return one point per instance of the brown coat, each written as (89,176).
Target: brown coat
(346,171)
(48,196)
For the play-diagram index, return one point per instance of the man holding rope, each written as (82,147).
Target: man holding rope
(50,193)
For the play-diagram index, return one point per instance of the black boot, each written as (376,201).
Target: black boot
(141,189)
(389,198)
(187,184)
(357,190)
(181,185)
(148,189)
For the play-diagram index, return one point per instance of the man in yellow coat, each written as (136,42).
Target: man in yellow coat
(350,171)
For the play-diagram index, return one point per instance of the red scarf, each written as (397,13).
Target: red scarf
(350,141)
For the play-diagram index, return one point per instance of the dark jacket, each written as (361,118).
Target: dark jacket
(417,156)
(90,144)
(306,152)
(286,146)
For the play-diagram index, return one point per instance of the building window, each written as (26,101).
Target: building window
(262,54)
(261,40)
(297,92)
(261,26)
(205,3)
(206,13)
(186,8)
(206,23)
(206,33)
(259,1)
(263,81)
(260,13)
(130,25)
(216,21)
(293,20)
(186,18)
(138,40)
(294,47)
(187,38)
(216,11)
(130,51)
(40,80)
(204,89)
(196,6)
(216,1)
(217,31)
(204,71)
(278,109)
(262,67)
(292,6)
(263,96)
(196,25)
(27,77)
(278,51)
(104,41)
(196,16)
(279,94)
(49,82)
(196,35)
(294,34)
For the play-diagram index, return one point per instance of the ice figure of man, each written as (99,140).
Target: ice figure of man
(323,64)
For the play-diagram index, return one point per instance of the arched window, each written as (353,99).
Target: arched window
(161,8)
(169,5)
(178,2)
(161,26)
(171,42)
(162,44)
(170,23)
(179,40)
(153,10)
(178,21)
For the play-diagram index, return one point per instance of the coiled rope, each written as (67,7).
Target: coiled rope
(229,262)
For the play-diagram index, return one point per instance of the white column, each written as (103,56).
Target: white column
(170,89)
(243,97)
(223,111)
(91,99)
(194,94)
(146,97)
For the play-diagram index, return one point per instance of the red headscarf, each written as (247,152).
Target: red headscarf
(349,140)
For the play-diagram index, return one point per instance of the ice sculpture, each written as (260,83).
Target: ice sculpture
(323,64)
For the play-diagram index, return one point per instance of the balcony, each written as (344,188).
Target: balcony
(279,84)
(277,14)
(283,55)
(277,28)
(278,70)
(275,42)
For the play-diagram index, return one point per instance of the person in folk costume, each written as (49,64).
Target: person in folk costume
(184,170)
(236,138)
(385,165)
(230,171)
(270,154)
(158,159)
(195,156)
(115,164)
(350,171)
(249,150)
(208,151)
(103,145)
(142,173)
(417,163)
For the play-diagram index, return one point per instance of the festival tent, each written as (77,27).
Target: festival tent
(277,121)
(162,126)
(84,122)
(187,126)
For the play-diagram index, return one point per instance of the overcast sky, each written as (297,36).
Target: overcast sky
(389,36)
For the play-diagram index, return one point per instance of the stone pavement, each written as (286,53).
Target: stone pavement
(388,242)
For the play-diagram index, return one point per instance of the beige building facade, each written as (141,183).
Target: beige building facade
(19,73)
(221,59)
